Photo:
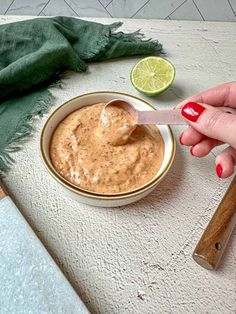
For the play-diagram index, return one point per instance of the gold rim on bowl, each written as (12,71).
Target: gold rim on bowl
(79,191)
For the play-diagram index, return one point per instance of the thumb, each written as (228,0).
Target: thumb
(211,122)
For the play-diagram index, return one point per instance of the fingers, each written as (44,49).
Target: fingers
(204,147)
(225,162)
(211,122)
(201,145)
(190,137)
(221,95)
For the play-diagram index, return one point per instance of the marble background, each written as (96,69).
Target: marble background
(209,10)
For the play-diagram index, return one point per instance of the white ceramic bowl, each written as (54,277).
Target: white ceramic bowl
(92,198)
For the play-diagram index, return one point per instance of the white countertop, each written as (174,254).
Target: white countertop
(137,259)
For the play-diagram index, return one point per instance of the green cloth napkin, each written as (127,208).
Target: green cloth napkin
(33,53)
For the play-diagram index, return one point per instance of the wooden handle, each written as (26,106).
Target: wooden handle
(3,192)
(213,242)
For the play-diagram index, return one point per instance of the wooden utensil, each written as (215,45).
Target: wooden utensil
(213,242)
(3,192)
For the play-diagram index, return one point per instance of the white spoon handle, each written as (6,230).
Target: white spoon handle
(161,117)
(169,116)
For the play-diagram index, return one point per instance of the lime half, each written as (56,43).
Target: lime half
(152,75)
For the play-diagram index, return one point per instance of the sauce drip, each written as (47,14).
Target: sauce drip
(108,156)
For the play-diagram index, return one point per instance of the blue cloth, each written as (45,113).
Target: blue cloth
(31,282)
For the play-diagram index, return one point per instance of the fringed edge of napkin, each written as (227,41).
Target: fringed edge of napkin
(41,106)
(110,38)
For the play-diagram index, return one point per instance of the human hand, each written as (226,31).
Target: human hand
(210,127)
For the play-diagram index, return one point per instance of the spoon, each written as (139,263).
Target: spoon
(169,116)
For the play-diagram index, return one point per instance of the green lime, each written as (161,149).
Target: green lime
(152,75)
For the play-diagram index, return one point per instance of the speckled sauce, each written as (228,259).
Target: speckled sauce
(99,157)
(115,125)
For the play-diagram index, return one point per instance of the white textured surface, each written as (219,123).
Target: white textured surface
(28,7)
(58,7)
(219,10)
(187,11)
(137,259)
(208,10)
(233,4)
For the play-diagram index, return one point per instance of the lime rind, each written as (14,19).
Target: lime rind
(163,73)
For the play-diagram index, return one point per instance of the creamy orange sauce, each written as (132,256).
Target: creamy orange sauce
(106,155)
(115,125)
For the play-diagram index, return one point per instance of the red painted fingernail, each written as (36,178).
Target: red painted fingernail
(219,170)
(180,139)
(192,111)
(191,151)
